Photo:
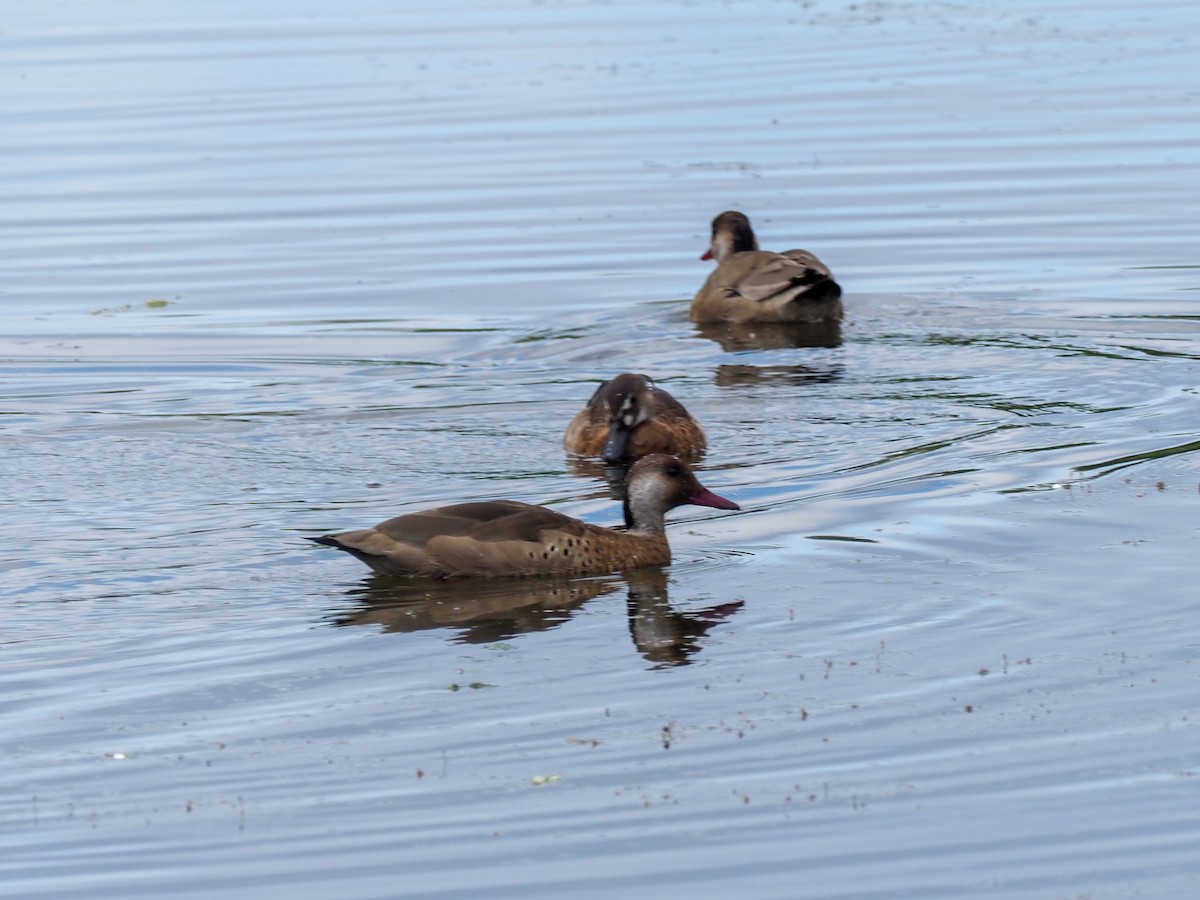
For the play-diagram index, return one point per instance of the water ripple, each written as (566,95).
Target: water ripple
(301,269)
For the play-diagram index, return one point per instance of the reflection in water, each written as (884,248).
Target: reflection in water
(771,335)
(735,375)
(485,611)
(662,634)
(1108,466)
(611,474)
(480,610)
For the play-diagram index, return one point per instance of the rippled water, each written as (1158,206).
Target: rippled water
(278,270)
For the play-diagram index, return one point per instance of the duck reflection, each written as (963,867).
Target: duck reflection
(727,375)
(482,612)
(771,335)
(611,474)
(661,633)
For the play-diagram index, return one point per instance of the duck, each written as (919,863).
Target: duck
(498,538)
(752,285)
(629,417)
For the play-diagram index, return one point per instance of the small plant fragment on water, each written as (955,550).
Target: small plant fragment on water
(152,303)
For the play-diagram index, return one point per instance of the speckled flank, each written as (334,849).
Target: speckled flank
(604,551)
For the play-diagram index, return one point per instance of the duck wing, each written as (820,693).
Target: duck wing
(500,537)
(761,276)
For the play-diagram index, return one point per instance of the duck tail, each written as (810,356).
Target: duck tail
(327,539)
(819,289)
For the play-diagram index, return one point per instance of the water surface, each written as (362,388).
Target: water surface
(274,271)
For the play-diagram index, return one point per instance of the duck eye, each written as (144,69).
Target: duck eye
(673,470)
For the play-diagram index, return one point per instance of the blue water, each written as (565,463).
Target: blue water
(276,270)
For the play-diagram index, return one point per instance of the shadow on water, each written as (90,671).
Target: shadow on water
(481,612)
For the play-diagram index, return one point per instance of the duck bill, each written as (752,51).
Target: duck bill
(707,254)
(702,496)
(617,443)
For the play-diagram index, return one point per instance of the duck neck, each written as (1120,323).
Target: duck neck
(642,521)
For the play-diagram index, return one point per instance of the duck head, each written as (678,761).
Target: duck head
(731,233)
(658,483)
(629,400)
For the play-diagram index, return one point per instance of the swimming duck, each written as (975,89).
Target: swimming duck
(628,417)
(752,285)
(507,538)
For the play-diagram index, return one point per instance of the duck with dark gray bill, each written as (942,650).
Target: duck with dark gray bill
(507,538)
(628,418)
(752,285)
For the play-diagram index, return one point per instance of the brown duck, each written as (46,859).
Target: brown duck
(752,285)
(628,418)
(506,538)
